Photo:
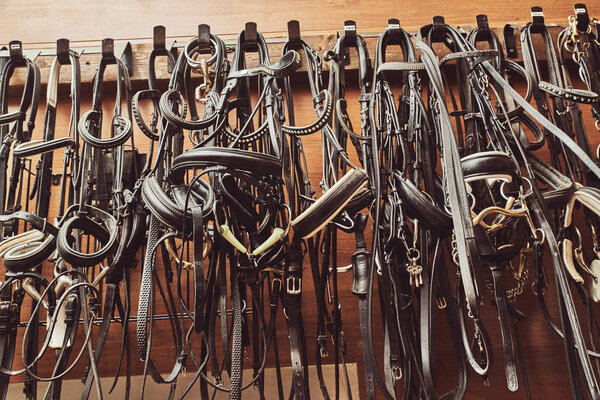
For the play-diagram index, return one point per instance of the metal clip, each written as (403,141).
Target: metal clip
(205,87)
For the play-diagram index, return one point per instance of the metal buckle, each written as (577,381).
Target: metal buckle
(396,373)
(441,302)
(278,282)
(322,343)
(294,285)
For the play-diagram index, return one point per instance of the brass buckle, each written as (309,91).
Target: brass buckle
(278,281)
(441,302)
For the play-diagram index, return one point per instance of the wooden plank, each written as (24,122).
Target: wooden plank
(141,52)
(44,21)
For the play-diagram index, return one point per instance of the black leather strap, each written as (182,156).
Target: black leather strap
(95,222)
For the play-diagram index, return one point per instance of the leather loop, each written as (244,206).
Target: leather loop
(360,268)
(98,224)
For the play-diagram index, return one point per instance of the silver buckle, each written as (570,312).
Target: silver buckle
(294,285)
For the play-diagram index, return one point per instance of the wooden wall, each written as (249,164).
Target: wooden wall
(43,21)
(39,23)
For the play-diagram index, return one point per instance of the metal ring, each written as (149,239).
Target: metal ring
(543,239)
(189,53)
(416,254)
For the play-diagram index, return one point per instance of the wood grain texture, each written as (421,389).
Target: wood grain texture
(90,56)
(40,22)
(43,21)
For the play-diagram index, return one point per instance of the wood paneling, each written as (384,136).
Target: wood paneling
(43,21)
(90,54)
(40,21)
